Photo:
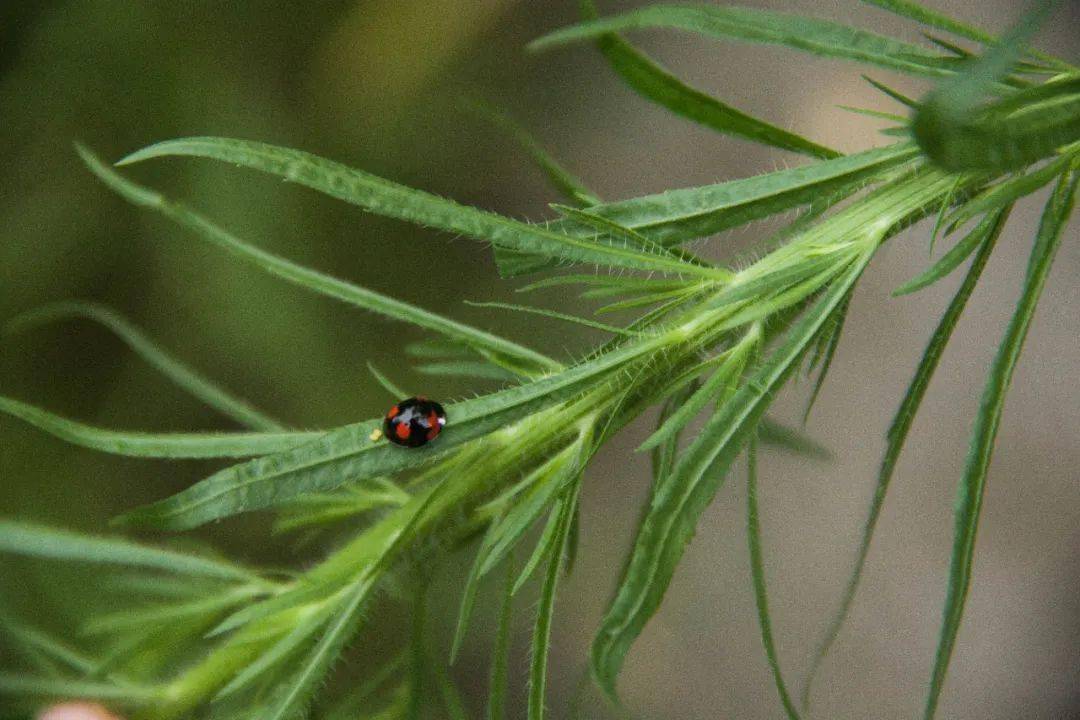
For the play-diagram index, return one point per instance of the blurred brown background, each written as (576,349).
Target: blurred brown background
(376,85)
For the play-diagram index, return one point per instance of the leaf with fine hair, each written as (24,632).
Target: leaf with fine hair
(312,279)
(348,453)
(30,540)
(156,445)
(992,223)
(383,197)
(973,483)
(712,389)
(542,485)
(544,312)
(897,434)
(180,373)
(819,37)
(685,214)
(1010,190)
(757,568)
(295,691)
(679,501)
(655,83)
(676,216)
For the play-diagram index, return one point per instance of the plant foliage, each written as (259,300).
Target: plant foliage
(705,342)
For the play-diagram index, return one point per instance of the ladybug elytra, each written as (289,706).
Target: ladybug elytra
(414,422)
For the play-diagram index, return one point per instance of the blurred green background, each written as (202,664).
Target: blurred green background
(378,85)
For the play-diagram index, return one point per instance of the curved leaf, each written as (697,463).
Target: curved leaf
(156,445)
(390,199)
(27,539)
(973,484)
(678,503)
(897,435)
(186,377)
(311,279)
(655,83)
(819,37)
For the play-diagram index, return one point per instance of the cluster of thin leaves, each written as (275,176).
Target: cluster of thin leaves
(205,636)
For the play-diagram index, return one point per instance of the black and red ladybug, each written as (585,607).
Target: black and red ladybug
(414,422)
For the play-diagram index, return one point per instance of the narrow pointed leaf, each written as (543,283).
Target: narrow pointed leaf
(156,445)
(655,83)
(180,373)
(678,503)
(311,279)
(957,253)
(38,541)
(390,199)
(926,16)
(973,483)
(761,595)
(1011,190)
(819,37)
(500,663)
(897,435)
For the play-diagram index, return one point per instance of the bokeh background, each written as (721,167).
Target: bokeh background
(378,84)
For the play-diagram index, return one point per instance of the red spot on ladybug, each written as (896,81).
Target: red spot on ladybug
(414,422)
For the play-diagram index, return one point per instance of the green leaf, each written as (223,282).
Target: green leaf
(61,688)
(678,502)
(655,83)
(724,376)
(584,322)
(281,650)
(819,37)
(387,384)
(959,252)
(572,188)
(349,453)
(311,279)
(894,94)
(1011,190)
(829,341)
(500,663)
(897,434)
(31,540)
(181,374)
(685,214)
(959,133)
(676,216)
(973,484)
(926,16)
(41,647)
(757,568)
(475,369)
(296,691)
(383,197)
(541,639)
(156,445)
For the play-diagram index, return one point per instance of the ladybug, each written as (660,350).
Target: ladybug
(414,422)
